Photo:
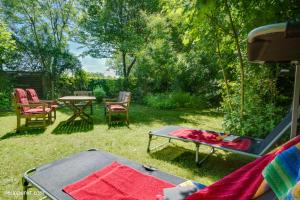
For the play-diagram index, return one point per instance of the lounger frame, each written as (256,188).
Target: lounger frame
(278,131)
(28,182)
(197,147)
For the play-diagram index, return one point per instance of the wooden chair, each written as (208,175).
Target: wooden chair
(121,106)
(84,93)
(27,110)
(34,99)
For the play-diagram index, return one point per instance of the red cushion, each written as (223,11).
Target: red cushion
(37,110)
(21,98)
(211,137)
(117,182)
(32,95)
(116,107)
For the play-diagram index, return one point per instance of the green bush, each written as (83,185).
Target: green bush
(174,100)
(258,121)
(6,87)
(5,102)
(260,115)
(99,94)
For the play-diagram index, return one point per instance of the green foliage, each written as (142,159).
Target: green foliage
(175,100)
(82,80)
(167,65)
(157,47)
(119,30)
(262,111)
(7,45)
(259,120)
(99,93)
(42,29)
(6,88)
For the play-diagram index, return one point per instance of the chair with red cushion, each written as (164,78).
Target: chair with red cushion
(34,99)
(121,106)
(24,109)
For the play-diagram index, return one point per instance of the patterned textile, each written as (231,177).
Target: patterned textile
(282,174)
(243,183)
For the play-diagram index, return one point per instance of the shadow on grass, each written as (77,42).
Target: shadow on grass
(117,120)
(23,132)
(7,113)
(145,115)
(139,114)
(74,127)
(117,124)
(217,165)
(97,116)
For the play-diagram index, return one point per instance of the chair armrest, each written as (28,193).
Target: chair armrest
(32,105)
(117,103)
(107,99)
(53,102)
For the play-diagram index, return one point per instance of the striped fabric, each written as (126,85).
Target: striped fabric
(282,174)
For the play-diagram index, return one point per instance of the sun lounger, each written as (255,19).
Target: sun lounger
(53,177)
(256,148)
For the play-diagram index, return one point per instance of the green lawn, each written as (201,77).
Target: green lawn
(29,148)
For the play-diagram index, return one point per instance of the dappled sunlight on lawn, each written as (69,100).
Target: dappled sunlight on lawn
(33,147)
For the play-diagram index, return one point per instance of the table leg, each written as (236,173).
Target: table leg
(78,111)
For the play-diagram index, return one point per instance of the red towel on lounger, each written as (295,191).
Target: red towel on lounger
(243,183)
(117,182)
(210,137)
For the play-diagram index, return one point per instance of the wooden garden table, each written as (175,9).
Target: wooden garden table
(71,102)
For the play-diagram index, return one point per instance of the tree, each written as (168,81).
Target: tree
(42,29)
(7,45)
(111,28)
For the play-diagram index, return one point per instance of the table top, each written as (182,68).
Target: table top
(77,98)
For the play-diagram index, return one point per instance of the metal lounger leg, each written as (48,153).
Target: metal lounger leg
(155,147)
(212,151)
(149,142)
(25,188)
(197,152)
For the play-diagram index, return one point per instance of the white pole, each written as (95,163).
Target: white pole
(295,107)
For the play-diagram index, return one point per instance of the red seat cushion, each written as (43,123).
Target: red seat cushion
(32,95)
(38,110)
(211,137)
(21,97)
(116,107)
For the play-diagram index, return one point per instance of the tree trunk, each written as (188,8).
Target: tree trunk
(125,70)
(237,43)
(224,74)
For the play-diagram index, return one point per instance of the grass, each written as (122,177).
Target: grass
(33,147)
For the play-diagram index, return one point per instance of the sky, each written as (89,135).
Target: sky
(89,63)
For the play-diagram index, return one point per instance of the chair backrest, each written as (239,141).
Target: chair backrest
(83,93)
(120,97)
(21,98)
(126,97)
(32,95)
(276,133)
